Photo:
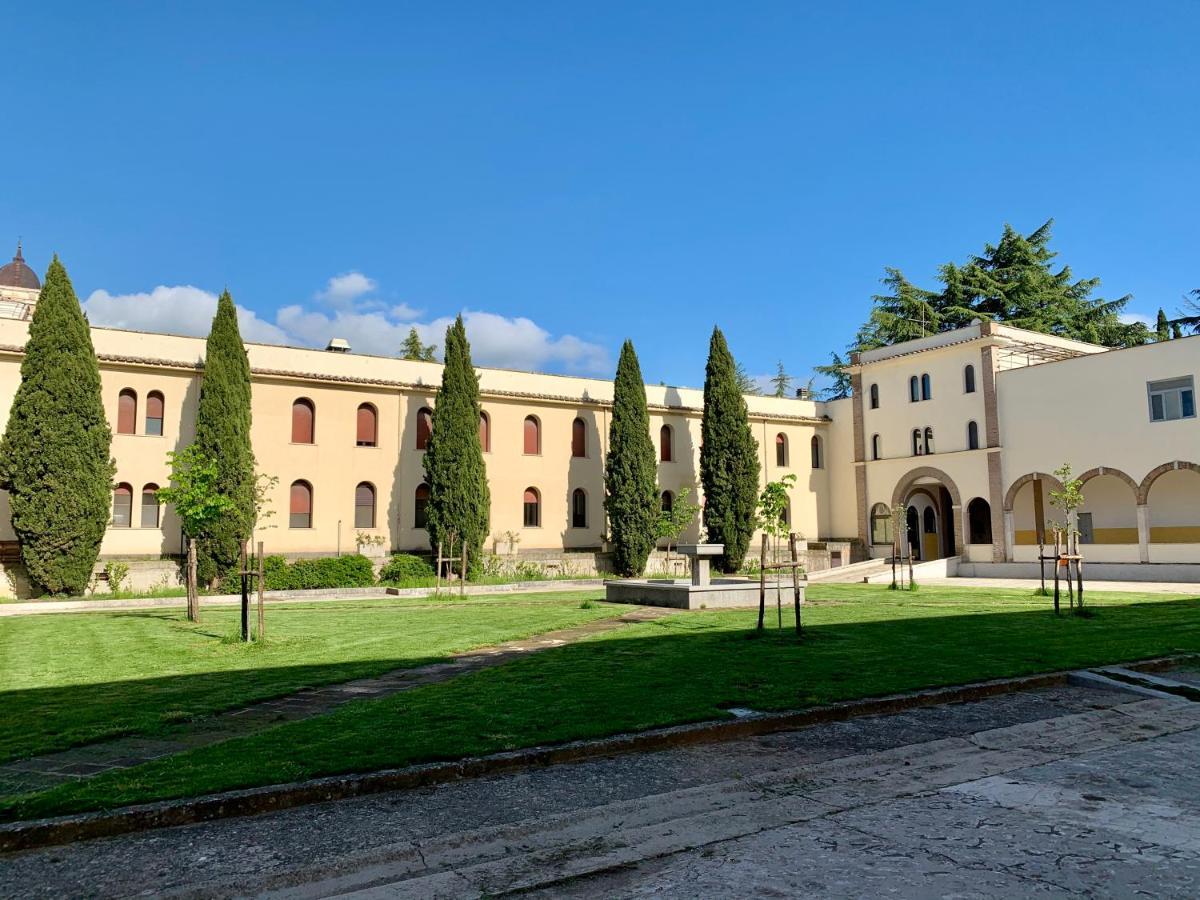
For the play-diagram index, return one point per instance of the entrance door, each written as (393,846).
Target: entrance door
(1086,534)
(929,543)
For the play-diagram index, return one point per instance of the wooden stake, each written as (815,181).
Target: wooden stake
(437,571)
(762,585)
(245,595)
(193,600)
(462,575)
(796,578)
(262,580)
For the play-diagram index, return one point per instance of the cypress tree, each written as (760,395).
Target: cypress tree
(630,470)
(223,434)
(728,458)
(55,458)
(1162,327)
(459,499)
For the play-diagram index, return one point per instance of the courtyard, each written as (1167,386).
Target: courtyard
(347,687)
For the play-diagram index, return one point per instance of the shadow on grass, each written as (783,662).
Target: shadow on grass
(675,670)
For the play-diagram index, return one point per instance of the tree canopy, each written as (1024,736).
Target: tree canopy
(630,470)
(414,349)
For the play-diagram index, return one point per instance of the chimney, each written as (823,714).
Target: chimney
(338,345)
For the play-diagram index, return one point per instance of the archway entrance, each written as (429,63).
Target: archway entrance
(933,508)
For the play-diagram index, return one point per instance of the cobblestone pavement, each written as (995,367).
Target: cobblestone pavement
(42,772)
(1050,792)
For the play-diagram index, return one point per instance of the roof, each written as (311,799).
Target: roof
(18,274)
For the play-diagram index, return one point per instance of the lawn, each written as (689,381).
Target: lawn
(69,678)
(860,641)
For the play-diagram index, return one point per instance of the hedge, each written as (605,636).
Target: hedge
(405,567)
(349,571)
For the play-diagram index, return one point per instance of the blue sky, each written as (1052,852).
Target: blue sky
(602,170)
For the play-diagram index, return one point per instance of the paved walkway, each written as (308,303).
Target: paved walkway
(42,772)
(1048,793)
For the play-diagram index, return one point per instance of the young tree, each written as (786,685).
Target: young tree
(782,381)
(772,518)
(459,500)
(674,521)
(223,435)
(630,471)
(414,349)
(728,458)
(1162,327)
(54,459)
(196,495)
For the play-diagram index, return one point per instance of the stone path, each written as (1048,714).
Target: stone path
(42,772)
(1063,791)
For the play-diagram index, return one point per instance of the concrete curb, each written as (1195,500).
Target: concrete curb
(33,833)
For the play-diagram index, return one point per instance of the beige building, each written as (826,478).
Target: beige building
(961,429)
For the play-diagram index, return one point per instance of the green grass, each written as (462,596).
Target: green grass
(860,641)
(69,678)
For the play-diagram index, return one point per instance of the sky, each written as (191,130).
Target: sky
(569,175)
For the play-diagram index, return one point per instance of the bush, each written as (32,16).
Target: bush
(405,567)
(309,574)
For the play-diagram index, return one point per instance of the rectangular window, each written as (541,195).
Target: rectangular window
(1172,399)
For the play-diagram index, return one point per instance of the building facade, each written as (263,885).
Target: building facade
(961,429)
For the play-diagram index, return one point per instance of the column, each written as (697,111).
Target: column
(1143,520)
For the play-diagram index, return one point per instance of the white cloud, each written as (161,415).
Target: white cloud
(182,309)
(346,288)
(1132,318)
(369,325)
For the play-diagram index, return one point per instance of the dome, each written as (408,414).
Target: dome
(17,274)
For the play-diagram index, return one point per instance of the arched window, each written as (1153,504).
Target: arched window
(914,389)
(979,520)
(930,521)
(304,421)
(300,505)
(485,432)
(876,451)
(972,436)
(926,387)
(127,412)
(667,501)
(533,436)
(424,426)
(916,442)
(364,505)
(969,380)
(578,438)
(421,506)
(881,524)
(150,506)
(122,506)
(367,426)
(874,396)
(533,508)
(781,450)
(154,413)
(928,441)
(666,444)
(818,460)
(578,508)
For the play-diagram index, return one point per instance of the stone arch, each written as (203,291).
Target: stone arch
(1105,470)
(1011,496)
(904,485)
(1143,490)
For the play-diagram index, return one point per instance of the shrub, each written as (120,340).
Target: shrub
(326,572)
(405,567)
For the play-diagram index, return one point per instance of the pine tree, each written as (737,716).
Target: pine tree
(630,470)
(223,434)
(55,458)
(1162,327)
(414,349)
(782,381)
(746,384)
(728,458)
(459,499)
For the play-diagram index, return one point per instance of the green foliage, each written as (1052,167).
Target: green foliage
(223,435)
(415,350)
(1012,281)
(325,572)
(405,567)
(459,499)
(195,490)
(630,470)
(674,521)
(1070,498)
(1189,316)
(782,381)
(728,458)
(839,378)
(117,572)
(746,384)
(773,503)
(55,456)
(1162,327)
